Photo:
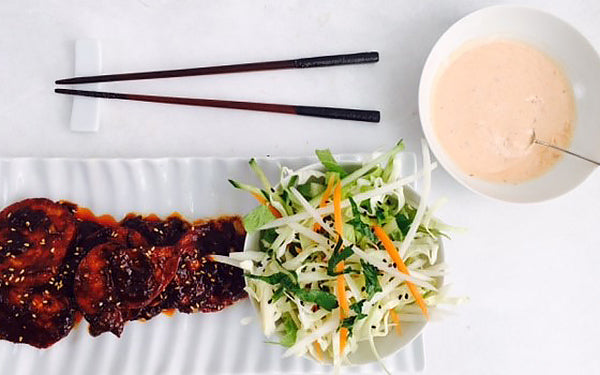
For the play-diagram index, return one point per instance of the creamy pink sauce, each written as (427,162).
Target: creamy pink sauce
(490,98)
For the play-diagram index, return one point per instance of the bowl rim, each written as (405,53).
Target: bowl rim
(427,127)
(252,238)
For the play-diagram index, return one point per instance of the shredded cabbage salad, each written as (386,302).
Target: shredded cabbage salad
(330,272)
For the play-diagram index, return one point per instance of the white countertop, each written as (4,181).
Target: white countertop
(529,270)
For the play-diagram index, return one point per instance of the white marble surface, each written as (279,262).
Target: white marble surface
(531,271)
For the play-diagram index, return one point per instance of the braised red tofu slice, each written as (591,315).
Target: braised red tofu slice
(34,237)
(155,231)
(38,316)
(200,284)
(113,279)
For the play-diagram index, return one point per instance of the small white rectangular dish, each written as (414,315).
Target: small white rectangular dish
(182,344)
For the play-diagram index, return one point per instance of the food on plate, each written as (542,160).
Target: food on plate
(346,253)
(59,261)
(38,316)
(34,239)
(155,231)
(115,278)
(200,284)
(488,100)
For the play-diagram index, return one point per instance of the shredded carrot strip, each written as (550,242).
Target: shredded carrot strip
(318,350)
(343,339)
(396,320)
(391,249)
(337,209)
(338,223)
(325,197)
(262,200)
(341,292)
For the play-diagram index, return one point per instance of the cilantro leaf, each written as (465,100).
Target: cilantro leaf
(278,293)
(359,226)
(267,237)
(404,219)
(330,163)
(337,257)
(372,285)
(323,299)
(357,308)
(380,216)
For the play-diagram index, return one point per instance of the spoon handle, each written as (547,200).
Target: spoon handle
(565,151)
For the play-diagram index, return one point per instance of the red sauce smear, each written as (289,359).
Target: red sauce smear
(60,263)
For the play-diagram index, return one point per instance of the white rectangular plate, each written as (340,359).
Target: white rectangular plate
(215,343)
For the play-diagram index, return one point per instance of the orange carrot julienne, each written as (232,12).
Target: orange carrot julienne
(396,320)
(391,249)
(328,189)
(343,339)
(337,209)
(341,292)
(263,201)
(318,350)
(338,224)
(325,197)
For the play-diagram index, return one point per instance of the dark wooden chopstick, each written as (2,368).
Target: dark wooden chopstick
(311,62)
(326,112)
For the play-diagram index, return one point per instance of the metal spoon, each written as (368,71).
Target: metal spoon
(546,144)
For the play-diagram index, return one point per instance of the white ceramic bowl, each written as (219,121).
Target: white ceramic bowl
(386,345)
(565,45)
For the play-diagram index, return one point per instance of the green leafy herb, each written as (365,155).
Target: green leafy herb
(337,257)
(370,272)
(291,330)
(404,219)
(267,238)
(359,226)
(273,279)
(323,299)
(258,217)
(380,214)
(330,163)
(349,322)
(278,294)
(357,308)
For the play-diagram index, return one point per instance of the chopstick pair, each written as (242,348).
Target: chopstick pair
(312,62)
